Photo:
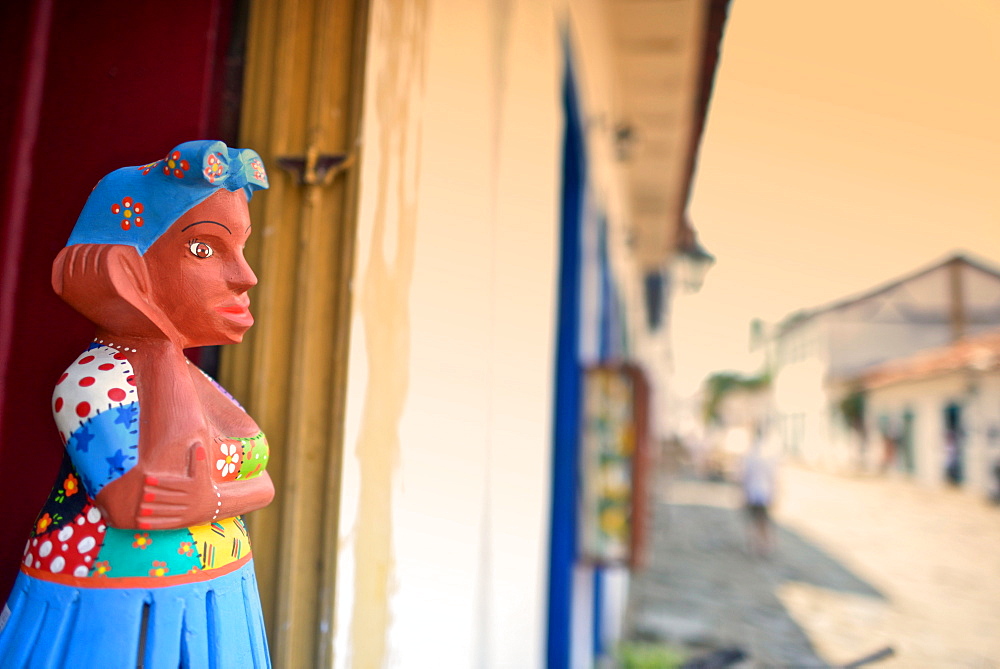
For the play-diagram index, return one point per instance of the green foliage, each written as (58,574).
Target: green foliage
(720,384)
(852,408)
(635,655)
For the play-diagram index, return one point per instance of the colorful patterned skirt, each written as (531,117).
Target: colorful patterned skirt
(212,623)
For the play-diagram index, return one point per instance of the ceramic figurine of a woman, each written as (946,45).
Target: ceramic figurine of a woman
(140,556)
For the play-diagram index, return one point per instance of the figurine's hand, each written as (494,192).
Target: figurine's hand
(170,501)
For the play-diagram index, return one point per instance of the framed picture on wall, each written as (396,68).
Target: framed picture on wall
(614,466)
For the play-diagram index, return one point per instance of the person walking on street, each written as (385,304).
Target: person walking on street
(757,478)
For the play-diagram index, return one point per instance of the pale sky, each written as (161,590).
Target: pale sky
(848,142)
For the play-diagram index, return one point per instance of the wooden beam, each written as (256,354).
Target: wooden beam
(302,101)
(956,295)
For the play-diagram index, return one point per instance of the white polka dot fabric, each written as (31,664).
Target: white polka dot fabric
(99,380)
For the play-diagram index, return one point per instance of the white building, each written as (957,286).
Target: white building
(818,357)
(938,412)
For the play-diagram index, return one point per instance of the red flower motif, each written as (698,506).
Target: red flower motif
(159,568)
(142,541)
(43,524)
(71,486)
(258,170)
(174,165)
(215,168)
(129,210)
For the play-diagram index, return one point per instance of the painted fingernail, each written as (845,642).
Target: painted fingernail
(146,512)
(149,497)
(199,453)
(143,525)
(152,480)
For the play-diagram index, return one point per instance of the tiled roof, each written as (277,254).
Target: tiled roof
(979,353)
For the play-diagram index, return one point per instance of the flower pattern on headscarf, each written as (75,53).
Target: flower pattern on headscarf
(174,165)
(135,205)
(214,169)
(127,209)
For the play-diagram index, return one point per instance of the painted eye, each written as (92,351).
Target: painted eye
(201,249)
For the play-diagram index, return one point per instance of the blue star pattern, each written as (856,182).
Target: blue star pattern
(127,414)
(106,446)
(80,440)
(116,464)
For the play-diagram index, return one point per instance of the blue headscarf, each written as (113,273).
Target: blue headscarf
(135,205)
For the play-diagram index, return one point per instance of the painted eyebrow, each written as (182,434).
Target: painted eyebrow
(200,222)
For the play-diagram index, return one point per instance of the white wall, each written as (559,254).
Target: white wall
(446,484)
(445,498)
(979,396)
(799,392)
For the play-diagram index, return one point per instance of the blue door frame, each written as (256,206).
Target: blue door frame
(565,460)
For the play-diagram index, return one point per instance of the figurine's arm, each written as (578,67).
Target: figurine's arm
(179,501)
(169,501)
(119,500)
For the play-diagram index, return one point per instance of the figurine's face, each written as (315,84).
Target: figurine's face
(199,277)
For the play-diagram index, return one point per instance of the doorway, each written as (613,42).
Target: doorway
(954,447)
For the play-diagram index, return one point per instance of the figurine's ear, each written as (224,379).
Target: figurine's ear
(109,284)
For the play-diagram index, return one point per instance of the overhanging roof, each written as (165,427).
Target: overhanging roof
(666,58)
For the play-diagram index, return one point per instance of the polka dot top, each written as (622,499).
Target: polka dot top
(96,409)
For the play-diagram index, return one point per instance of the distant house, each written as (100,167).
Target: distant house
(936,414)
(823,361)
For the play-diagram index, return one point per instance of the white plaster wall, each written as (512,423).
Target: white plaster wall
(979,396)
(928,433)
(457,258)
(989,416)
(927,400)
(798,390)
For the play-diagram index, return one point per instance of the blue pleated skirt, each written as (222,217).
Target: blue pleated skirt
(215,623)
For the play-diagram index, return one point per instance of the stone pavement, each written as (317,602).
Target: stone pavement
(860,564)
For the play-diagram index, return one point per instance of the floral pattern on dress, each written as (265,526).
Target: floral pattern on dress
(156,553)
(228,458)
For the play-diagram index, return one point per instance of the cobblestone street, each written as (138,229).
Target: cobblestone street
(860,564)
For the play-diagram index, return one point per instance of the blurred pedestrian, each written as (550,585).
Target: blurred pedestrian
(757,478)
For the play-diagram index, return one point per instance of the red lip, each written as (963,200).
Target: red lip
(238,312)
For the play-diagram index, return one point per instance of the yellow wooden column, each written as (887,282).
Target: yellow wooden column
(301,104)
